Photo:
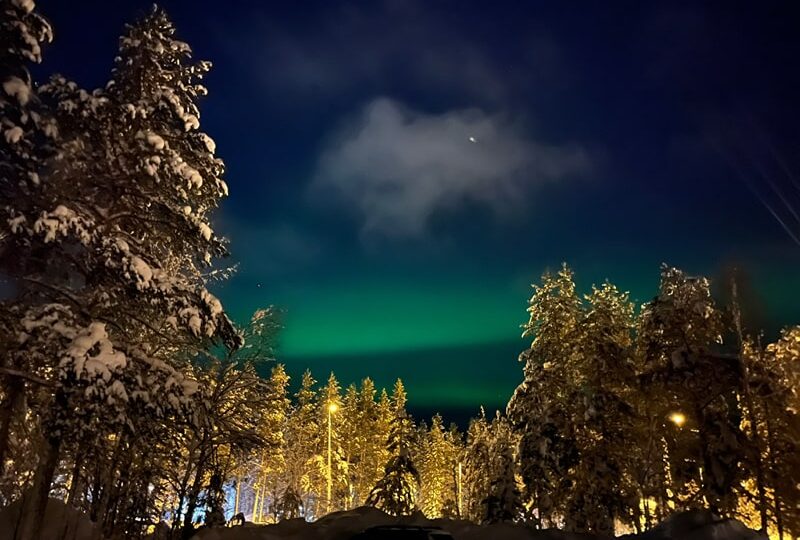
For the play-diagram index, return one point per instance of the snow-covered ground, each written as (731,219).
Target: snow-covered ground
(343,525)
(64,523)
(61,522)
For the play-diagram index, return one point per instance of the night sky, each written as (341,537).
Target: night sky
(400,172)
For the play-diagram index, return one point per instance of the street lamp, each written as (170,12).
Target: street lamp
(458,485)
(677,418)
(332,408)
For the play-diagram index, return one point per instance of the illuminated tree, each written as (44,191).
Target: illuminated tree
(604,393)
(476,483)
(436,457)
(502,502)
(774,374)
(365,446)
(684,371)
(540,409)
(329,408)
(270,470)
(113,300)
(302,442)
(396,491)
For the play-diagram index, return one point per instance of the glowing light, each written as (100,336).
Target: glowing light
(333,407)
(473,140)
(677,418)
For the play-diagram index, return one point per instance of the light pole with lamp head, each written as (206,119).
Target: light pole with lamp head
(332,408)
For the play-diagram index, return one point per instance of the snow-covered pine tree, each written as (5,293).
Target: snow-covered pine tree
(272,463)
(684,374)
(475,479)
(27,133)
(353,442)
(402,426)
(373,454)
(606,422)
(503,502)
(380,435)
(289,505)
(396,492)
(436,459)
(110,257)
(779,401)
(329,408)
(539,409)
(365,446)
(302,440)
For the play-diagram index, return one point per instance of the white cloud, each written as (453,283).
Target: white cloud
(396,167)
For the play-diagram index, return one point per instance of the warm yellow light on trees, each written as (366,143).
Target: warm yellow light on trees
(677,418)
(333,407)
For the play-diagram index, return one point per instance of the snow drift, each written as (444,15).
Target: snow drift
(65,523)
(61,522)
(697,525)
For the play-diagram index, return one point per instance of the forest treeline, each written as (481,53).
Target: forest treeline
(127,393)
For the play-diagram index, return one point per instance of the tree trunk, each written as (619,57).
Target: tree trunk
(759,461)
(15,392)
(194,492)
(238,491)
(77,482)
(182,492)
(106,477)
(773,467)
(35,502)
(255,499)
(116,491)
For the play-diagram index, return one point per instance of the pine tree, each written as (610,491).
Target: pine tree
(330,453)
(396,492)
(780,404)
(289,505)
(540,408)
(476,481)
(115,297)
(605,421)
(302,441)
(437,462)
(272,461)
(502,502)
(27,135)
(686,375)
(365,446)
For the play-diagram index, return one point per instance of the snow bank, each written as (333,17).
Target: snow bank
(343,525)
(698,525)
(61,522)
(65,523)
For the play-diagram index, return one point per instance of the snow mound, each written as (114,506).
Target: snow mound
(60,522)
(696,525)
(64,522)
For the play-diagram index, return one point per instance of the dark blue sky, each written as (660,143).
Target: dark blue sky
(401,171)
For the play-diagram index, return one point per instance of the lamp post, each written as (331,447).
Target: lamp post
(677,418)
(332,408)
(460,515)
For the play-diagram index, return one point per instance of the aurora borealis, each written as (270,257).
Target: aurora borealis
(400,172)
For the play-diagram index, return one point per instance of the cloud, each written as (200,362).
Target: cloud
(396,167)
